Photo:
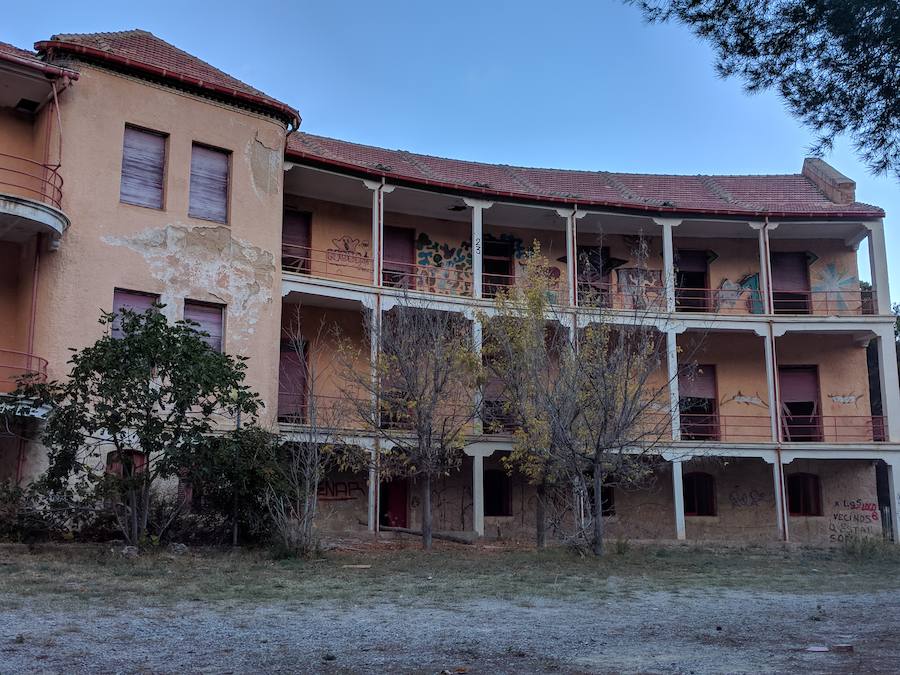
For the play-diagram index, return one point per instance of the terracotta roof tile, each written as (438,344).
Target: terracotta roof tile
(791,195)
(142,51)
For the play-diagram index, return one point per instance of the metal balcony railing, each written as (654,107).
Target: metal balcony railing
(16,365)
(24,177)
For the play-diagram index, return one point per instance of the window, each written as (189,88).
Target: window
(209,184)
(399,269)
(497,266)
(698,404)
(295,241)
(790,283)
(497,493)
(692,281)
(209,316)
(126,463)
(143,168)
(136,301)
(293,377)
(699,494)
(804,494)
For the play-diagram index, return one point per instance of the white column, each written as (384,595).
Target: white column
(778,491)
(478,494)
(765,286)
(571,216)
(678,493)
(668,259)
(373,491)
(477,341)
(674,396)
(377,248)
(477,206)
(894,491)
(887,374)
(771,375)
(879,266)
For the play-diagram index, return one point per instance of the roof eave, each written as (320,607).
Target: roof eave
(49,70)
(570,201)
(281,110)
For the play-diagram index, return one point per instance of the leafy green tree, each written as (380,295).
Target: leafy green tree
(836,63)
(154,394)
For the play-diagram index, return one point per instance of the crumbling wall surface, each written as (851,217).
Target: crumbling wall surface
(343,502)
(849,502)
(165,251)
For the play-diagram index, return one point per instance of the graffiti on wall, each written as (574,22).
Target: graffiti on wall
(749,498)
(745,399)
(835,281)
(640,288)
(745,289)
(349,251)
(343,490)
(845,399)
(853,519)
(443,268)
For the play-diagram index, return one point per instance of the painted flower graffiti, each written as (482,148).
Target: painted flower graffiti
(443,268)
(836,285)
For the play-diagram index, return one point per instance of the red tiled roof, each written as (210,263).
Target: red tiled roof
(13,54)
(783,196)
(144,53)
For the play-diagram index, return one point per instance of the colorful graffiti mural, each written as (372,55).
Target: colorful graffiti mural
(746,289)
(443,268)
(837,282)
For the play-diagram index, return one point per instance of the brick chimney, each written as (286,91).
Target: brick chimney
(836,186)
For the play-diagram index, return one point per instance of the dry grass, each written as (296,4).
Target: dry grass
(82,574)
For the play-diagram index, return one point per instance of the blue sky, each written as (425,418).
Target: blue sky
(582,85)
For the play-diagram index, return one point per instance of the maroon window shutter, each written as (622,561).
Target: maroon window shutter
(798,385)
(296,240)
(700,383)
(143,168)
(292,381)
(133,300)
(692,261)
(790,272)
(399,246)
(209,184)
(209,317)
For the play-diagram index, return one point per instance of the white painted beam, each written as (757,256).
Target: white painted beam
(478,206)
(678,493)
(478,494)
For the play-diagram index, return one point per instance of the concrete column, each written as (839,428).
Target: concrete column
(377,248)
(771,384)
(674,397)
(477,206)
(374,490)
(571,216)
(890,387)
(478,494)
(894,490)
(477,342)
(879,266)
(668,259)
(765,284)
(778,490)
(678,492)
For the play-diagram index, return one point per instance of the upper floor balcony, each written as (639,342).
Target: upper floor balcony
(16,365)
(30,199)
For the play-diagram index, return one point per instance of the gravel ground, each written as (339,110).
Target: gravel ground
(616,626)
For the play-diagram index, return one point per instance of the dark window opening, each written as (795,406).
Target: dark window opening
(392,504)
(498,271)
(698,404)
(497,493)
(607,499)
(296,254)
(799,390)
(398,266)
(692,282)
(699,494)
(804,494)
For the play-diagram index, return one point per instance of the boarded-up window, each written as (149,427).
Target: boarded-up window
(209,316)
(143,168)
(295,241)
(136,301)
(209,184)
(399,257)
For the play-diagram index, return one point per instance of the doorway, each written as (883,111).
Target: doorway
(393,504)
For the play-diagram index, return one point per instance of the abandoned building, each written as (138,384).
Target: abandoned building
(131,171)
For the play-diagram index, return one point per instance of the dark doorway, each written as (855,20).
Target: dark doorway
(790,283)
(799,389)
(692,282)
(293,382)
(698,404)
(392,506)
(498,271)
(296,253)
(497,493)
(399,269)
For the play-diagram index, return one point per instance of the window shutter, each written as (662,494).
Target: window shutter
(133,300)
(790,272)
(399,247)
(143,168)
(798,385)
(700,383)
(209,184)
(296,241)
(210,319)
(292,381)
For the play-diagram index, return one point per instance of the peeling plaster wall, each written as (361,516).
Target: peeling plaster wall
(111,244)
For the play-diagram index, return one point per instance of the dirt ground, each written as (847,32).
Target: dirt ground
(71,609)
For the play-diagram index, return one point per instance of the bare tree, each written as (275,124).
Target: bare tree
(590,401)
(418,398)
(314,447)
